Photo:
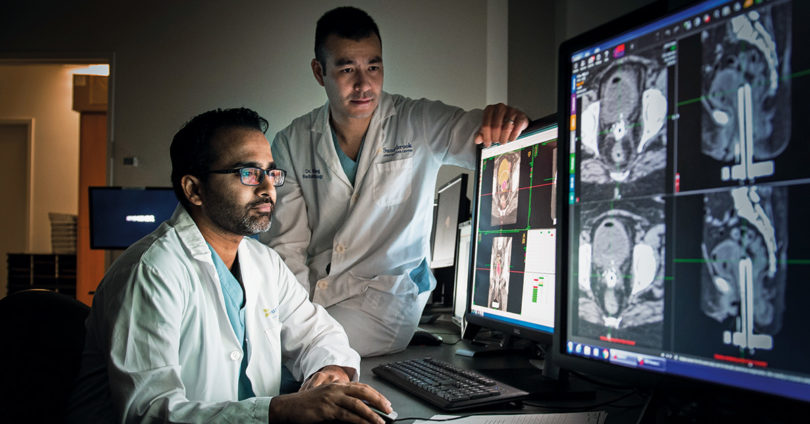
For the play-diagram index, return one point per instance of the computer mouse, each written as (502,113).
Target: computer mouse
(388,418)
(424,338)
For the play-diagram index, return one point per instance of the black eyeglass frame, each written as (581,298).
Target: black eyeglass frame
(278,181)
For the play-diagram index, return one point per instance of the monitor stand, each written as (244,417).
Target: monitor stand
(542,379)
(498,344)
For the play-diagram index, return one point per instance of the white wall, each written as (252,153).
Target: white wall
(45,93)
(173,60)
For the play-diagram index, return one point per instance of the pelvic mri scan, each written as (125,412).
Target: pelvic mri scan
(621,266)
(746,93)
(499,273)
(505,186)
(623,131)
(745,239)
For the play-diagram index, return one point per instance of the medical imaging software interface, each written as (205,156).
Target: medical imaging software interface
(514,245)
(689,197)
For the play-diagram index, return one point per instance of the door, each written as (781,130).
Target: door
(14,186)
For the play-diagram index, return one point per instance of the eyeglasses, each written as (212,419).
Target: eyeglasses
(253,176)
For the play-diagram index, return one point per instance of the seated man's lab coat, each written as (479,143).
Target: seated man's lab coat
(160,346)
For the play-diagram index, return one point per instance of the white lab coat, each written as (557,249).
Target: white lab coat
(160,343)
(372,234)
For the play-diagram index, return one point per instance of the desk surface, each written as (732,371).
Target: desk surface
(408,406)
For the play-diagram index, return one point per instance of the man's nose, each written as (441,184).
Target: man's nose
(361,82)
(266,187)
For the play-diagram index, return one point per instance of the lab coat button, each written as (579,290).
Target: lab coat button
(339,248)
(323,284)
(236,355)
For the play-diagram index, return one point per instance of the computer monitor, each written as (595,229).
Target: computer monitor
(461,281)
(512,274)
(452,207)
(683,232)
(120,216)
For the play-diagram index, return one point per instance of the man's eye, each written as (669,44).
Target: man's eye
(346,70)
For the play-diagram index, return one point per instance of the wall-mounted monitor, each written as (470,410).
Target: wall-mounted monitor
(120,216)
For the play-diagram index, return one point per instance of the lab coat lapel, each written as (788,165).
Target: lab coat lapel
(375,137)
(325,147)
(191,236)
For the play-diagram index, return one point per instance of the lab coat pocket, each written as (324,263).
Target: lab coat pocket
(393,181)
(394,284)
(272,330)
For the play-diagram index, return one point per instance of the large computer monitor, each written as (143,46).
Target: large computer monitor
(684,245)
(512,273)
(120,216)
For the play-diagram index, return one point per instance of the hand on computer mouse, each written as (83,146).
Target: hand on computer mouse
(331,402)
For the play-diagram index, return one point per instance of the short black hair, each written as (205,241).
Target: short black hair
(345,22)
(191,151)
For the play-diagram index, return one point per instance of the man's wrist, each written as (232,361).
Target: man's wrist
(275,411)
(337,370)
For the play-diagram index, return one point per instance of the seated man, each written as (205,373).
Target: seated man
(193,321)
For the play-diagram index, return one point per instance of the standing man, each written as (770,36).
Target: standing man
(353,221)
(192,322)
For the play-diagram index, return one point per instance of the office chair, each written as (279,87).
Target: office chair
(42,335)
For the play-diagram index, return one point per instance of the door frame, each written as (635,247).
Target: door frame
(29,177)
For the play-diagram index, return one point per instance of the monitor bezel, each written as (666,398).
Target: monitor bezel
(477,321)
(92,211)
(633,377)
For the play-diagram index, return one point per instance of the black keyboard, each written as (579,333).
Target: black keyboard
(445,385)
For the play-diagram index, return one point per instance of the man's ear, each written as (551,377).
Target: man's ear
(192,189)
(317,71)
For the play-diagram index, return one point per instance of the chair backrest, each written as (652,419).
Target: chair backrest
(42,334)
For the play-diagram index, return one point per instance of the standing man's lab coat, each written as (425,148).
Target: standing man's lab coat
(354,247)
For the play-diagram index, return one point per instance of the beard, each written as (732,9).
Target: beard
(236,218)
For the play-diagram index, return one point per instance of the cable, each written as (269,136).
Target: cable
(455,418)
(432,419)
(599,382)
(585,407)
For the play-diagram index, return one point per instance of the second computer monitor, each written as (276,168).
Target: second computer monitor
(512,275)
(452,207)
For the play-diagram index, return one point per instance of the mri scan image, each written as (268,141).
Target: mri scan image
(499,273)
(745,239)
(746,93)
(623,131)
(505,186)
(621,266)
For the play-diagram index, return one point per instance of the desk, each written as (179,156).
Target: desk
(408,406)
